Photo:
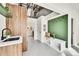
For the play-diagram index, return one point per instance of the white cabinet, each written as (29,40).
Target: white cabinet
(57,44)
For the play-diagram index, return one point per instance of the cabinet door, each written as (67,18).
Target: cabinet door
(17,23)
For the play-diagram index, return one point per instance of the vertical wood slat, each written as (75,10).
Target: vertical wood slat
(23,27)
(17,23)
(11,50)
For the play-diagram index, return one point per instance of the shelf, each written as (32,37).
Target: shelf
(4,11)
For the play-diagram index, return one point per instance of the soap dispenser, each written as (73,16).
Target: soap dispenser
(5,32)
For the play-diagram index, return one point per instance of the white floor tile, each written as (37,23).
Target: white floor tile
(36,48)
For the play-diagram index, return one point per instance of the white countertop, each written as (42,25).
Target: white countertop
(56,43)
(57,40)
(11,42)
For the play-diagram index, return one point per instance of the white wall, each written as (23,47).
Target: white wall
(30,22)
(2,24)
(35,30)
(43,30)
(66,9)
(38,29)
(32,25)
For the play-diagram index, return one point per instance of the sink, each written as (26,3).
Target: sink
(11,39)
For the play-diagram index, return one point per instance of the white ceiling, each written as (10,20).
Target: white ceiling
(75,5)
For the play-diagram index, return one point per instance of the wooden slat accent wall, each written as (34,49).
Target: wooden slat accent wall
(23,27)
(17,23)
(11,50)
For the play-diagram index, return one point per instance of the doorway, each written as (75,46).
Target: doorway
(71,31)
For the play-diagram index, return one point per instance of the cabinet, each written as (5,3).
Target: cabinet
(11,50)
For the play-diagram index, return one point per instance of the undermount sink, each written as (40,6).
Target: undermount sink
(11,39)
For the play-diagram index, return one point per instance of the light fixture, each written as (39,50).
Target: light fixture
(32,9)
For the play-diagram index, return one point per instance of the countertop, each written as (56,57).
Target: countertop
(11,42)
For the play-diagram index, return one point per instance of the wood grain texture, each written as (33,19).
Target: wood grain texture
(18,22)
(23,27)
(11,50)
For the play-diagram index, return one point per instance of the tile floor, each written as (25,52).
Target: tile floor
(36,48)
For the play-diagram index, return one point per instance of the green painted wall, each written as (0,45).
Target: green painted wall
(59,27)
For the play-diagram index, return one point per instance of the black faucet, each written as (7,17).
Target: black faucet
(2,38)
